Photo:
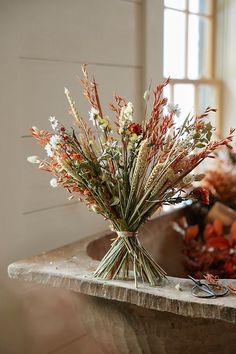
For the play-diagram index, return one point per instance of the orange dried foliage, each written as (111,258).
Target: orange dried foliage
(219,242)
(233,230)
(192,232)
(211,279)
(231,288)
(218,226)
(208,232)
(212,250)
(221,185)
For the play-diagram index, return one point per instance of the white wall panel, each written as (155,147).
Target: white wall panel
(42,90)
(55,227)
(43,44)
(100,31)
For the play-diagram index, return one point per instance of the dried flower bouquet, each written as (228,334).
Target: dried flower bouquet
(126,172)
(220,179)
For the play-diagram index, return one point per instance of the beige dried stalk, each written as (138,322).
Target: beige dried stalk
(154,174)
(140,166)
(168,176)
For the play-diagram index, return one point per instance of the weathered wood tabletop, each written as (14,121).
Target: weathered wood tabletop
(70,267)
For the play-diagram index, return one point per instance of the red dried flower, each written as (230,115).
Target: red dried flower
(135,128)
(219,242)
(201,194)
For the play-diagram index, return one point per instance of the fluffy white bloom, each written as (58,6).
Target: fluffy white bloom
(178,287)
(33,159)
(126,116)
(146,95)
(54,122)
(49,150)
(174,108)
(128,111)
(53,183)
(54,141)
(93,113)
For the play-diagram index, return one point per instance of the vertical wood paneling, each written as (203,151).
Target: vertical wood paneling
(43,46)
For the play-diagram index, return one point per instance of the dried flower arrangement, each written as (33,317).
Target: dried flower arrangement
(220,180)
(210,247)
(127,172)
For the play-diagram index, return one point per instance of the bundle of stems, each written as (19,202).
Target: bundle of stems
(127,171)
(128,255)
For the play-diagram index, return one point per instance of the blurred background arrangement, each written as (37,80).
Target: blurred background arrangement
(127,44)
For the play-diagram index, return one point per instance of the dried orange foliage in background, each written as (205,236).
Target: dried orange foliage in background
(221,185)
(210,250)
(233,230)
(192,232)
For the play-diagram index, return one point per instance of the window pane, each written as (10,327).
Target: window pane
(176,4)
(207,97)
(167,92)
(200,6)
(184,97)
(174,44)
(198,47)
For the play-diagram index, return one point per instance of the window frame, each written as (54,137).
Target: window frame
(211,80)
(154,52)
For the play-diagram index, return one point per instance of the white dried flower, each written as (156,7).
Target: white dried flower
(53,183)
(33,159)
(49,150)
(93,113)
(54,123)
(70,197)
(55,140)
(146,95)
(174,108)
(129,110)
(178,287)
(126,116)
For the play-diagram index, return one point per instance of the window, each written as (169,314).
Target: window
(189,55)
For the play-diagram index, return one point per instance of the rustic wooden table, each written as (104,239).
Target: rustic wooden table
(153,312)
